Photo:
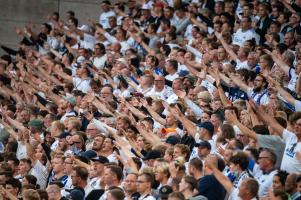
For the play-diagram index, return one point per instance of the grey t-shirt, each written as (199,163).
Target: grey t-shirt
(273,142)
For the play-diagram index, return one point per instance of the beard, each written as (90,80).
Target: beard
(257,89)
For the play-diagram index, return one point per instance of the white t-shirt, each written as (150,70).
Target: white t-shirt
(297,106)
(293,80)
(265,182)
(261,98)
(104,18)
(164,94)
(82,84)
(241,65)
(41,173)
(99,62)
(239,37)
(171,77)
(21,151)
(88,42)
(289,161)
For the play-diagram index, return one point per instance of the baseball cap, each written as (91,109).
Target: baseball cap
(58,183)
(100,159)
(36,123)
(64,135)
(76,194)
(173,140)
(203,144)
(208,126)
(89,154)
(164,191)
(71,99)
(153,154)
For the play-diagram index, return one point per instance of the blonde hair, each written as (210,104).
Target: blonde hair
(30,194)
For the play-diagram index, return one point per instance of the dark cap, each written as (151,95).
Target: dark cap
(173,140)
(165,191)
(89,154)
(203,144)
(208,126)
(76,194)
(100,159)
(64,135)
(58,183)
(153,154)
(36,123)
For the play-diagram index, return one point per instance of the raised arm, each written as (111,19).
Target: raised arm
(287,96)
(283,66)
(224,180)
(269,120)
(232,119)
(226,46)
(153,113)
(239,83)
(189,125)
(221,92)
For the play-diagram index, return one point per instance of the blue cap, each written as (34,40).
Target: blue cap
(173,140)
(203,144)
(153,154)
(64,135)
(208,126)
(100,159)
(89,154)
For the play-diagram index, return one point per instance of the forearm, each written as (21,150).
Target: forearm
(155,115)
(16,124)
(231,53)
(245,130)
(223,180)
(136,112)
(224,99)
(189,125)
(195,108)
(287,96)
(270,121)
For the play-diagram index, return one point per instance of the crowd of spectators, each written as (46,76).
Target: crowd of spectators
(156,99)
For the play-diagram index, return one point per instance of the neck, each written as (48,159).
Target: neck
(106,152)
(83,76)
(82,184)
(146,192)
(187,193)
(172,73)
(113,183)
(198,175)
(268,169)
(59,174)
(164,181)
(145,86)
(129,193)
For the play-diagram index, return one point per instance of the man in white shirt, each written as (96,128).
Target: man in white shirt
(160,90)
(144,186)
(79,177)
(245,32)
(107,12)
(266,160)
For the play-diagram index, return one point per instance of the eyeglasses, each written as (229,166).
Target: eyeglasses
(263,157)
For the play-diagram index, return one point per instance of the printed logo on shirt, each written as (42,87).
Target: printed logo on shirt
(290,150)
